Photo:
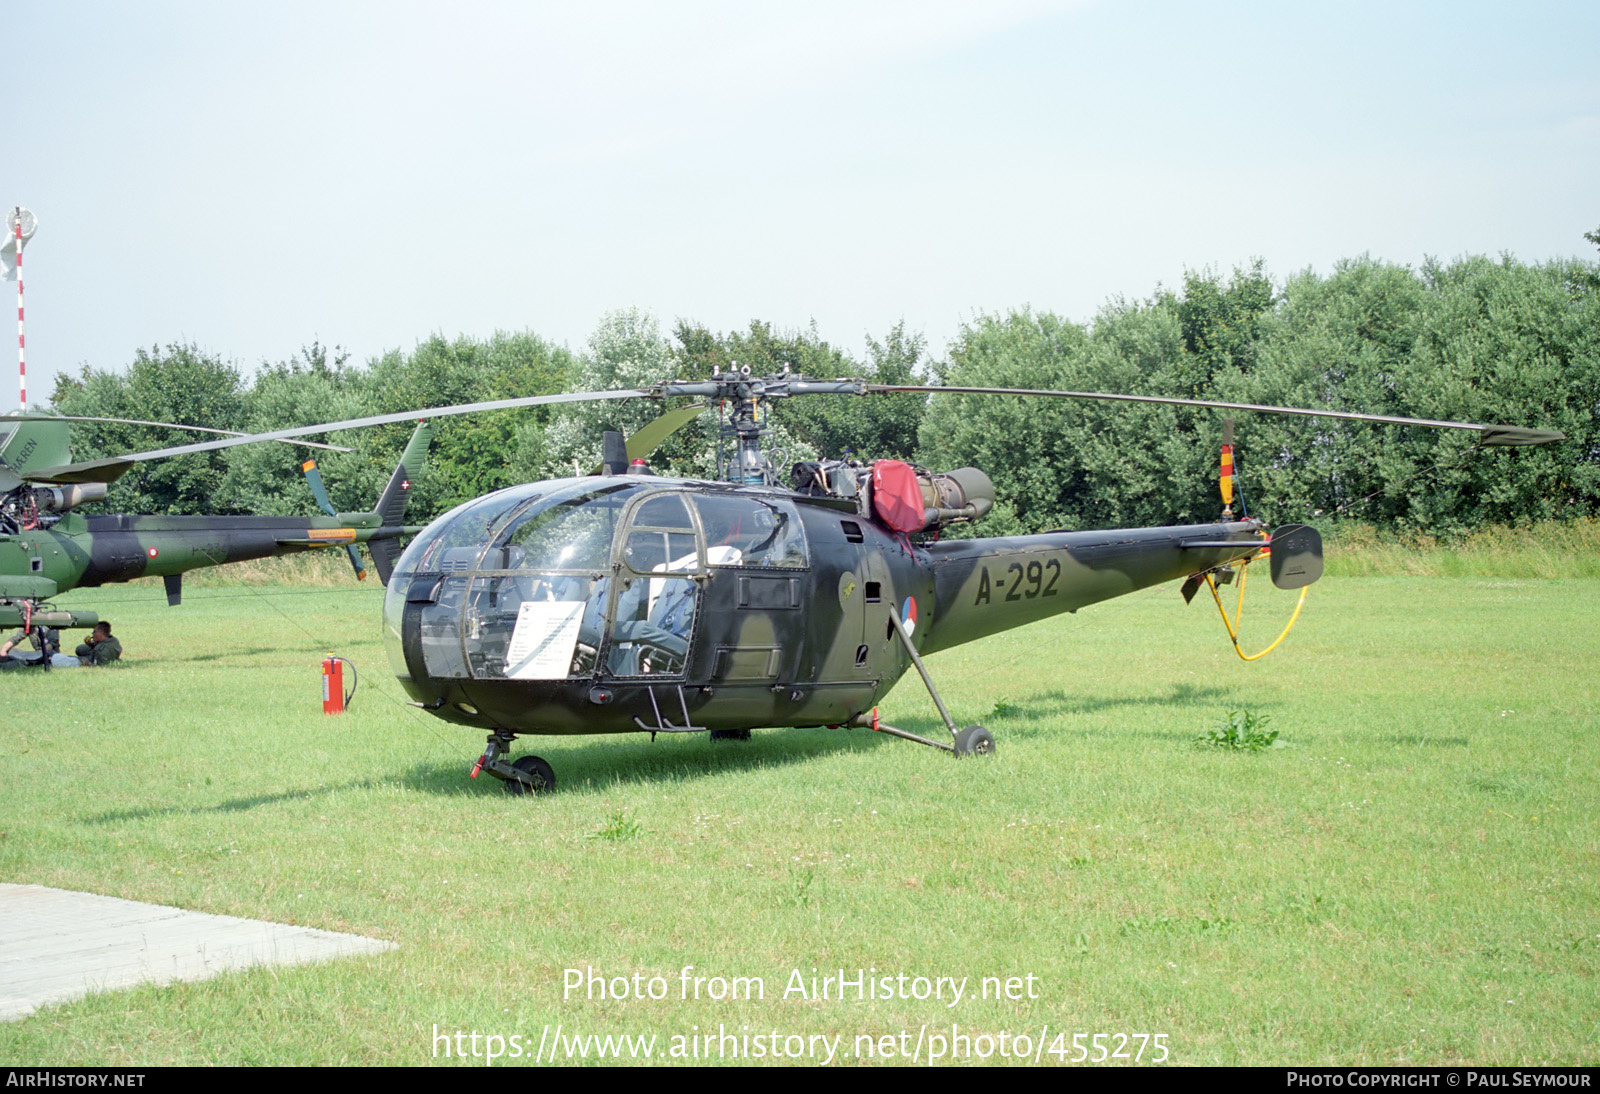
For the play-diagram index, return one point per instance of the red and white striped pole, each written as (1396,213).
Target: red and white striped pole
(22,343)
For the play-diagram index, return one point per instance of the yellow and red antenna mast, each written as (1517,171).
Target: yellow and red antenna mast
(1227,469)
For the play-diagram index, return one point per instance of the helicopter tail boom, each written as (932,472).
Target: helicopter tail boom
(984,586)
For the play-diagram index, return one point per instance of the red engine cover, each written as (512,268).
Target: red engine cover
(896,496)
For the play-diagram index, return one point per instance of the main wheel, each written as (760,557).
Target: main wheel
(544,779)
(974,741)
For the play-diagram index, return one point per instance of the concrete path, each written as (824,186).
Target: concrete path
(57,945)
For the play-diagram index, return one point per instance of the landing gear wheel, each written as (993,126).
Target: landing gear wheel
(544,779)
(974,741)
(730,734)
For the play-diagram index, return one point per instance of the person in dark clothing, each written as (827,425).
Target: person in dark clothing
(101,648)
(44,640)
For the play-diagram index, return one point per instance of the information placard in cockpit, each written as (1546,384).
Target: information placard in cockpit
(544,638)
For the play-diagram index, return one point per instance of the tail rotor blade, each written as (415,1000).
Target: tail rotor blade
(356,563)
(318,491)
(1226,478)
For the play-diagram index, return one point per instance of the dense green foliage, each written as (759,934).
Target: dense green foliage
(471,454)
(1477,340)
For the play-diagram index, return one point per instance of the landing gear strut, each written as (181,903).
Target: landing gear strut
(972,741)
(528,775)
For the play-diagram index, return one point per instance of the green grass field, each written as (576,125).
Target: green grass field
(1414,877)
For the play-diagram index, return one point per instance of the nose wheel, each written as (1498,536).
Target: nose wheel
(538,777)
(528,775)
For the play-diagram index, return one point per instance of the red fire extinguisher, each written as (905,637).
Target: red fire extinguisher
(334,698)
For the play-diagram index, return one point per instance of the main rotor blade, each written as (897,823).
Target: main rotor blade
(652,434)
(385,419)
(1492,434)
(162,425)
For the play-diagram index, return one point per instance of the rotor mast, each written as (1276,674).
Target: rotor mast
(743,394)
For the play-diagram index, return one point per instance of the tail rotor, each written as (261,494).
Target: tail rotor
(1228,479)
(391,507)
(320,492)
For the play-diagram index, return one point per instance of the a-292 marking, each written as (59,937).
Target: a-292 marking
(1026,583)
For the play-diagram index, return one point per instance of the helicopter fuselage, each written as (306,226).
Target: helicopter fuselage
(615,604)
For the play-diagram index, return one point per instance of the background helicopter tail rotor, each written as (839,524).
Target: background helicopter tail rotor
(320,492)
(391,507)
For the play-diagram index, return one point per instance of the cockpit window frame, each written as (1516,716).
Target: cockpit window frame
(620,567)
(784,505)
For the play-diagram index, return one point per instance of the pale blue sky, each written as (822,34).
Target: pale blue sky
(251,178)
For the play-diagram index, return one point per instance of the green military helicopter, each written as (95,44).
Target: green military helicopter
(624,601)
(47,547)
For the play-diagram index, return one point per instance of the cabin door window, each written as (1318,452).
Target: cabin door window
(657,597)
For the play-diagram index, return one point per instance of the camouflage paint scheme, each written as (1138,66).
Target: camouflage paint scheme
(71,550)
(793,647)
(84,552)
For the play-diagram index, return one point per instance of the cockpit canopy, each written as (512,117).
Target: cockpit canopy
(518,584)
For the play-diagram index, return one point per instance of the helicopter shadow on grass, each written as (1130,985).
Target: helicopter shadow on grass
(251,651)
(1047,713)
(588,767)
(237,805)
(631,759)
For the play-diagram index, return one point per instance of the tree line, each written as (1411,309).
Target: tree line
(1481,340)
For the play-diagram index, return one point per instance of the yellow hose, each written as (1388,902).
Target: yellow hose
(1238,614)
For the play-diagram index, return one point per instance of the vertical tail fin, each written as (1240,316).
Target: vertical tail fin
(392,502)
